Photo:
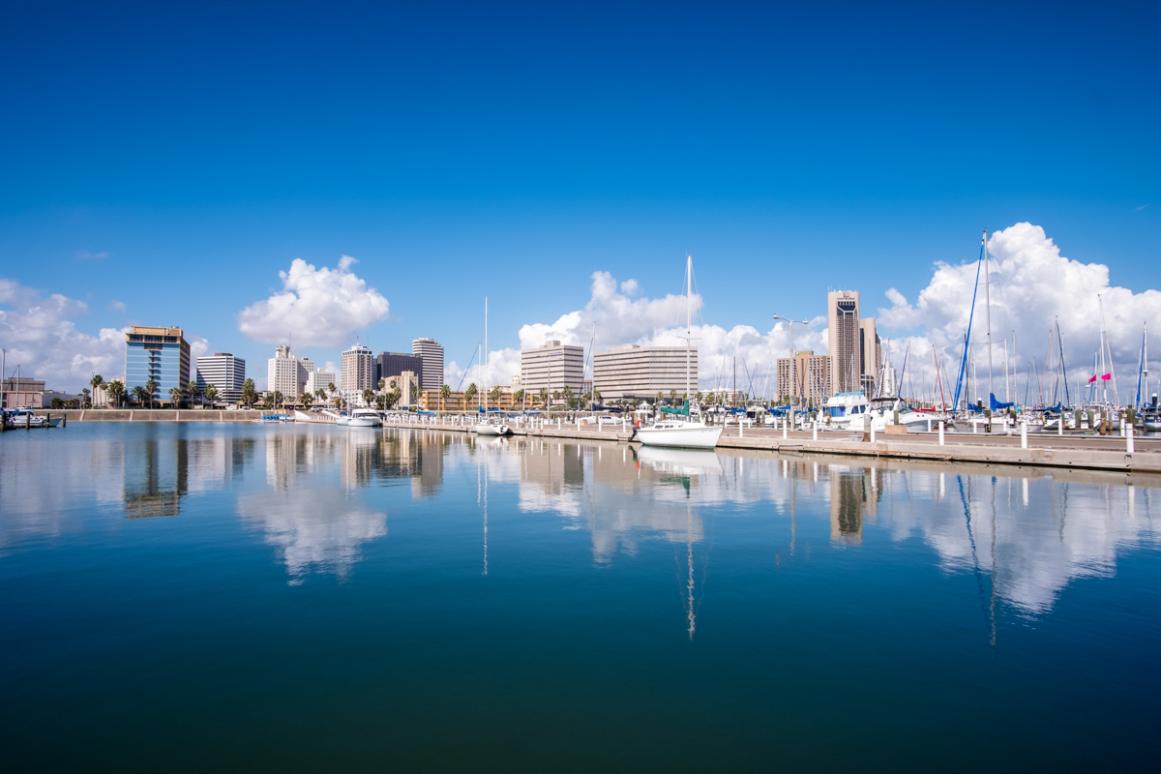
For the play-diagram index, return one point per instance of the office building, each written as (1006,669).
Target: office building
(305,366)
(156,354)
(389,364)
(431,372)
(22,392)
(843,336)
(357,374)
(225,372)
(870,355)
(635,372)
(553,367)
(805,379)
(282,374)
(320,380)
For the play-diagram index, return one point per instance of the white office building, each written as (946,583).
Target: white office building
(320,380)
(282,374)
(430,352)
(358,374)
(553,367)
(635,372)
(225,372)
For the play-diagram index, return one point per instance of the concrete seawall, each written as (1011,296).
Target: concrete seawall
(156,415)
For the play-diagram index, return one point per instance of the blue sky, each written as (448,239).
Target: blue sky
(174,158)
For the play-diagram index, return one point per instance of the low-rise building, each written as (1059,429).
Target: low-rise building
(23,392)
(553,367)
(636,372)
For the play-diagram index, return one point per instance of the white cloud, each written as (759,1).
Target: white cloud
(117,306)
(1032,285)
(317,306)
(40,336)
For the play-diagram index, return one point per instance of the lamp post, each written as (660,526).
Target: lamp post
(793,360)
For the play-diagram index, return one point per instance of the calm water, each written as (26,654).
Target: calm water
(185,597)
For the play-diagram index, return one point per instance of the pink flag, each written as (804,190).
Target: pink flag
(1106,377)
(1092,379)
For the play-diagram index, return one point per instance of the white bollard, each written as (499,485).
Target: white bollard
(941,433)
(814,431)
(872,432)
(929,424)
(975,427)
(1128,439)
(741,429)
(785,429)
(1060,424)
(1023,435)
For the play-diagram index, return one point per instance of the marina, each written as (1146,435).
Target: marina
(381,589)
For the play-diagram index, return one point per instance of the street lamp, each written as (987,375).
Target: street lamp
(793,360)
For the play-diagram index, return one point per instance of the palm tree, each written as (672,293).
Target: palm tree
(544,397)
(193,391)
(249,393)
(85,402)
(116,390)
(211,394)
(470,394)
(276,399)
(368,397)
(151,389)
(494,395)
(140,395)
(307,399)
(444,394)
(96,383)
(518,397)
(321,394)
(175,395)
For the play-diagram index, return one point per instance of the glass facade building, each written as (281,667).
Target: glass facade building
(157,354)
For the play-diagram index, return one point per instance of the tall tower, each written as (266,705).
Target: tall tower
(358,373)
(431,352)
(843,336)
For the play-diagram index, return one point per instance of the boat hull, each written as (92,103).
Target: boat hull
(485,429)
(694,437)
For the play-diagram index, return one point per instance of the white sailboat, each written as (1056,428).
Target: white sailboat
(684,432)
(487,426)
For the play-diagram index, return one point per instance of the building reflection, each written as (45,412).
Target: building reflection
(155,486)
(853,499)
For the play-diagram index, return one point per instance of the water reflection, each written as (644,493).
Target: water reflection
(320,497)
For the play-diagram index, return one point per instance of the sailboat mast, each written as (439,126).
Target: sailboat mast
(486,358)
(689,323)
(988,311)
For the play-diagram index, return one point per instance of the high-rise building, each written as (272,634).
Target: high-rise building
(806,378)
(553,367)
(305,367)
(282,374)
(320,380)
(635,372)
(388,364)
(357,374)
(843,336)
(870,355)
(156,354)
(225,372)
(431,373)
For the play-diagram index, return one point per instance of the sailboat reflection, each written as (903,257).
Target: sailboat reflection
(682,467)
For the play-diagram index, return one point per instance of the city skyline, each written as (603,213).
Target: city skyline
(564,163)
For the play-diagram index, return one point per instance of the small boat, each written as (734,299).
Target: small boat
(364,417)
(491,427)
(24,417)
(488,425)
(672,430)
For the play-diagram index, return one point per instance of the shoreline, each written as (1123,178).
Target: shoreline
(1044,450)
